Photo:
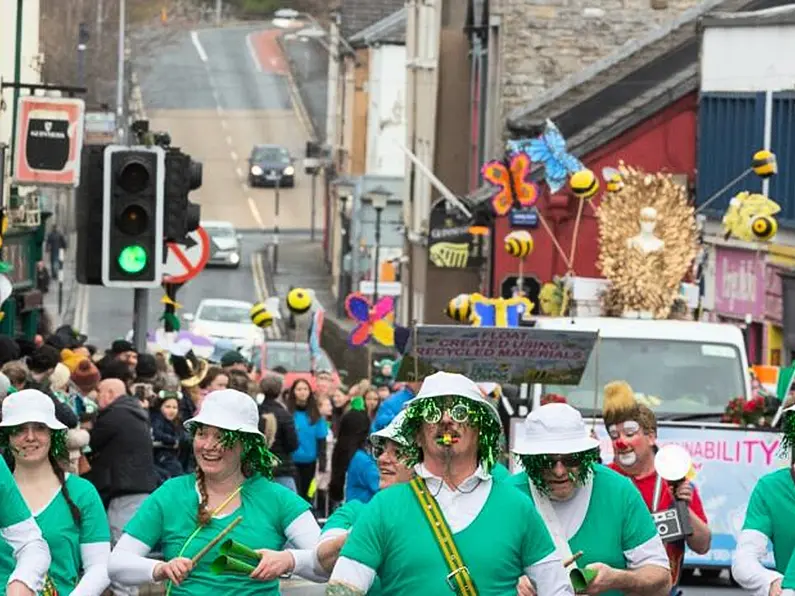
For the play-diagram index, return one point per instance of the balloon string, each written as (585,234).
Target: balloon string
(576,233)
(554,241)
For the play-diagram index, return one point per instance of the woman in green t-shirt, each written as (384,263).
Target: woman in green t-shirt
(232,480)
(66,507)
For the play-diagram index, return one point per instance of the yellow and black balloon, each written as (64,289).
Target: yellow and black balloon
(764,227)
(613,180)
(460,308)
(584,184)
(261,316)
(299,301)
(519,244)
(764,164)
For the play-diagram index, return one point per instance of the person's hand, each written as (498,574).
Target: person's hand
(17,588)
(775,588)
(684,492)
(525,587)
(175,570)
(605,579)
(273,564)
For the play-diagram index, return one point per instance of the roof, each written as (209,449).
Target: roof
(781,15)
(389,30)
(357,15)
(618,92)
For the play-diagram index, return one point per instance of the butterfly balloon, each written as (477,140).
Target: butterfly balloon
(373,320)
(502,176)
(550,150)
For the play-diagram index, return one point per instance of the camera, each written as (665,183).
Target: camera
(673,524)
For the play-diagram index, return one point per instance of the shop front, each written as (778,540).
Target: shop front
(779,258)
(22,249)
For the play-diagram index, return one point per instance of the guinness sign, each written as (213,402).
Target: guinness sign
(450,244)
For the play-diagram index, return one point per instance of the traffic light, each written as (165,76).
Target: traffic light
(88,215)
(132,217)
(183,175)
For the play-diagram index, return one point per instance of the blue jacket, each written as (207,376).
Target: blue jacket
(361,481)
(308,436)
(390,408)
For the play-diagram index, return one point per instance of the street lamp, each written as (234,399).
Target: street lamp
(345,189)
(379,197)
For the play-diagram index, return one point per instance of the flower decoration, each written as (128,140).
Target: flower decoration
(550,150)
(510,176)
(751,412)
(372,320)
(553,398)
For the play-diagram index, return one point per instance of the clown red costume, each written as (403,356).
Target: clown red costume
(633,431)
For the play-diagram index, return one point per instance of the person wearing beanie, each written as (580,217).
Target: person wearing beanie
(146,368)
(41,365)
(121,350)
(234,360)
(632,427)
(85,377)
(71,359)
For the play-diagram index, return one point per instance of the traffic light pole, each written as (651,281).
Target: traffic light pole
(276,224)
(314,206)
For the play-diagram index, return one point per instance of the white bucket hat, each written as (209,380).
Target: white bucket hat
(30,405)
(442,384)
(228,409)
(553,429)
(390,432)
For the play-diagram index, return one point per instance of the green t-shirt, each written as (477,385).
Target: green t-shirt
(601,537)
(773,494)
(167,518)
(343,518)
(788,583)
(13,509)
(499,472)
(63,535)
(392,535)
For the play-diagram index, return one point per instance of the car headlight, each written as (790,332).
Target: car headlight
(256,170)
(234,258)
(289,171)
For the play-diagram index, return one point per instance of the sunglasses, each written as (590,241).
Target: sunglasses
(459,412)
(568,460)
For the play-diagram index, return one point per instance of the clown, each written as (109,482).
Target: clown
(632,427)
(587,507)
(427,536)
(768,518)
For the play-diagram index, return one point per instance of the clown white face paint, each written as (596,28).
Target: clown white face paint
(625,441)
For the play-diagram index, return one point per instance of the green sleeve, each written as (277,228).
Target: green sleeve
(344,517)
(788,583)
(638,525)
(93,520)
(291,505)
(14,509)
(757,514)
(147,523)
(365,543)
(537,544)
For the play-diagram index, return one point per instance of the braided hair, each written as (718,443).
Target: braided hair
(204,515)
(58,468)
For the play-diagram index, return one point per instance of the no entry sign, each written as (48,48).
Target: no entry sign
(49,141)
(185,261)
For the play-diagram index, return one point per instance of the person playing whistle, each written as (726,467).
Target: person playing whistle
(451,527)
(632,427)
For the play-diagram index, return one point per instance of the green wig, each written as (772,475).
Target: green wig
(58,450)
(536,465)
(255,457)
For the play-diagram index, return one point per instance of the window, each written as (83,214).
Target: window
(271,154)
(217,313)
(294,358)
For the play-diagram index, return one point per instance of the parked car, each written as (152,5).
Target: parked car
(222,319)
(224,244)
(271,165)
(293,357)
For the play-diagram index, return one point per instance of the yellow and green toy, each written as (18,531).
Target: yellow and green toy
(235,559)
(751,218)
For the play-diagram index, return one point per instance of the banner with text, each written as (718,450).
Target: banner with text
(500,355)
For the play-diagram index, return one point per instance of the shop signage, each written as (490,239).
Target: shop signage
(739,283)
(450,245)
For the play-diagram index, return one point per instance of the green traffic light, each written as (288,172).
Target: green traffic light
(133,259)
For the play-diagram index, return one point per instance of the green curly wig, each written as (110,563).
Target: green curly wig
(58,450)
(255,457)
(479,416)
(788,434)
(536,465)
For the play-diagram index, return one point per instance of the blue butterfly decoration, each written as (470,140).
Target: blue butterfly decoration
(550,150)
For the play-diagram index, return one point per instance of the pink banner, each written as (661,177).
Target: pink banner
(739,283)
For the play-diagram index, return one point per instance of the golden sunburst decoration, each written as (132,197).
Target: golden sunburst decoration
(641,281)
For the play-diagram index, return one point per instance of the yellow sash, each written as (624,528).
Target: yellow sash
(458,579)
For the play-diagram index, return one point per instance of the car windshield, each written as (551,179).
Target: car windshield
(294,359)
(220,232)
(271,154)
(672,377)
(222,313)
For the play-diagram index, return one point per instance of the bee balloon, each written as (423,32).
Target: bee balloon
(764,227)
(764,164)
(299,301)
(263,314)
(613,180)
(519,244)
(584,184)
(460,308)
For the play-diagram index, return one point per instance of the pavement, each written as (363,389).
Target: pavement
(308,61)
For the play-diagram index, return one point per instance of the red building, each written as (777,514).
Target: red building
(636,106)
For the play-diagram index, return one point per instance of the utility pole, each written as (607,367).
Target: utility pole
(121,126)
(219,9)
(17,76)
(276,224)
(100,20)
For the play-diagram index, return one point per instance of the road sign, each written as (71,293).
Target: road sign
(185,261)
(49,141)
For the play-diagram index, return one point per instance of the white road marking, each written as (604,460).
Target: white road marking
(252,52)
(228,140)
(255,212)
(261,290)
(194,37)
(233,155)
(239,172)
(224,125)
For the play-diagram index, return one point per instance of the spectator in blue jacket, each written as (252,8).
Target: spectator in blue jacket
(392,406)
(312,431)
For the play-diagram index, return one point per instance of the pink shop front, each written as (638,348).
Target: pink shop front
(747,287)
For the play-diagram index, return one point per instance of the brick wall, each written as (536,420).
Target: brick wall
(545,41)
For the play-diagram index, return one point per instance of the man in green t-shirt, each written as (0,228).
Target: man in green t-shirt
(587,507)
(768,518)
(452,526)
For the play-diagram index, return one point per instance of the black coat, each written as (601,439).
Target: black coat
(168,439)
(285,441)
(121,459)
